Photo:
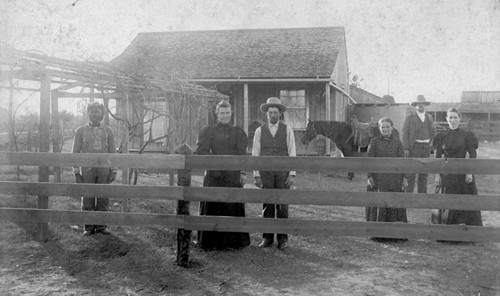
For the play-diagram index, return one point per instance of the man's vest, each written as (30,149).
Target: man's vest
(276,145)
(423,129)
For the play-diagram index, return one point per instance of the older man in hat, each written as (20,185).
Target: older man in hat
(94,138)
(274,138)
(418,131)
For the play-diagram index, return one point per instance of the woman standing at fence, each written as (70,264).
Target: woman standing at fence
(386,145)
(457,143)
(222,138)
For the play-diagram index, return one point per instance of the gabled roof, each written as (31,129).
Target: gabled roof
(258,53)
(361,96)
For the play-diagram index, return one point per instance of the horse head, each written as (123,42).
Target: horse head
(309,134)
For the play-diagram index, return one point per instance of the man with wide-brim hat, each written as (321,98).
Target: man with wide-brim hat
(274,138)
(272,102)
(420,101)
(418,132)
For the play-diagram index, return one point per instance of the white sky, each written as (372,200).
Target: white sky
(430,47)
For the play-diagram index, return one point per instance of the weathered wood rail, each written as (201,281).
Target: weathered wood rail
(300,197)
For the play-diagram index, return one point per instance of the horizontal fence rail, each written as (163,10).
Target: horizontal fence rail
(236,224)
(248,195)
(300,163)
(151,161)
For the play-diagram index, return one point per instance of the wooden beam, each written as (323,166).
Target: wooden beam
(106,106)
(56,133)
(240,224)
(259,80)
(173,161)
(125,148)
(113,95)
(245,108)
(44,145)
(328,115)
(351,164)
(89,189)
(92,95)
(69,86)
(90,217)
(20,88)
(293,197)
(348,199)
(226,162)
(343,228)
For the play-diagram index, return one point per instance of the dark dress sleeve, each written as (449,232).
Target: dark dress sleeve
(203,147)
(437,144)
(471,144)
(241,141)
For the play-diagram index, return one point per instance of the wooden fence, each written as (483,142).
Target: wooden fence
(43,215)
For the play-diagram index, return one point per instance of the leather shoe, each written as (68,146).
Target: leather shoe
(282,246)
(265,244)
(88,233)
(103,231)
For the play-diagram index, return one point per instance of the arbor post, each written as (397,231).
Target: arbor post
(183,235)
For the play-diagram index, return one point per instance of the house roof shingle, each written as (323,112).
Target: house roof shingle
(229,54)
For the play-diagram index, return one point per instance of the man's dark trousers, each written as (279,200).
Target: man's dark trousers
(274,180)
(419,150)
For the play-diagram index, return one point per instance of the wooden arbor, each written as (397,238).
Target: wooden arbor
(57,78)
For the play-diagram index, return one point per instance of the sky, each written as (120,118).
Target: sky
(437,48)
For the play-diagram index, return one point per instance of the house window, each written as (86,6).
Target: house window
(295,102)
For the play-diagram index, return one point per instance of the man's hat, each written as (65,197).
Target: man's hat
(272,102)
(420,101)
(95,105)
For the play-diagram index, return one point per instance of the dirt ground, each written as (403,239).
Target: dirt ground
(140,261)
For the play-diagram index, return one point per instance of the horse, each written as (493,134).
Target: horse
(347,135)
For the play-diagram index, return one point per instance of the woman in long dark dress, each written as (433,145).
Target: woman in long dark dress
(457,143)
(222,139)
(387,144)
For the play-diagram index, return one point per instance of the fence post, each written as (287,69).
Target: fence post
(44,144)
(183,236)
(56,133)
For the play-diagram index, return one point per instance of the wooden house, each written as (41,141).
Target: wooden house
(480,109)
(305,67)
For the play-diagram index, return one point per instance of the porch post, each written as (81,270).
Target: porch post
(328,115)
(245,108)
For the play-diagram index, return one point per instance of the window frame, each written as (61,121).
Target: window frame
(305,109)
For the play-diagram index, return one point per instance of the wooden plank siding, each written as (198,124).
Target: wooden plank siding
(253,224)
